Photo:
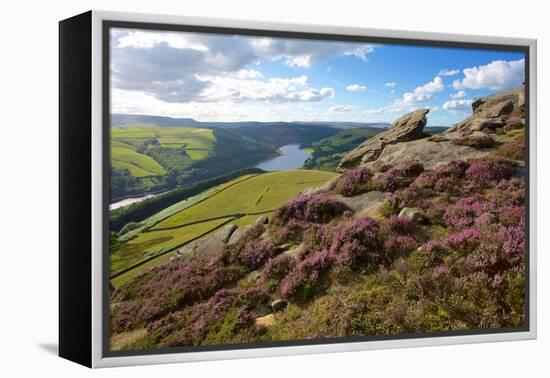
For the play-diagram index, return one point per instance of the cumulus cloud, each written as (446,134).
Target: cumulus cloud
(410,100)
(147,39)
(356,88)
(274,90)
(447,72)
(341,109)
(132,102)
(459,94)
(457,106)
(420,94)
(304,53)
(249,74)
(498,74)
(390,84)
(180,67)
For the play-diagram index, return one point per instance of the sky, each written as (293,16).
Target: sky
(215,77)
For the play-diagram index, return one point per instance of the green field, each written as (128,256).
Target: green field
(198,143)
(240,201)
(125,156)
(147,159)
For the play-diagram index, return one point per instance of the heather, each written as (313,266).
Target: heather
(354,181)
(317,208)
(398,176)
(514,150)
(350,274)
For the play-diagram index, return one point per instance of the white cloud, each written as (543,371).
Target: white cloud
(496,75)
(249,74)
(390,84)
(341,109)
(356,88)
(304,53)
(142,39)
(447,72)
(459,94)
(298,61)
(421,94)
(410,100)
(375,111)
(274,90)
(136,102)
(457,106)
(176,67)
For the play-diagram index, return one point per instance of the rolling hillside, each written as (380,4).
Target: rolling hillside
(240,202)
(148,158)
(419,234)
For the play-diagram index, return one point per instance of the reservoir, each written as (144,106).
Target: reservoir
(292,157)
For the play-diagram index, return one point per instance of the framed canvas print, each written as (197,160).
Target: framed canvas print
(234,189)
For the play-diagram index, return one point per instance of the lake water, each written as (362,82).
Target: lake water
(292,157)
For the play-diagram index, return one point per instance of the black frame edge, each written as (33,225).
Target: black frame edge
(75,194)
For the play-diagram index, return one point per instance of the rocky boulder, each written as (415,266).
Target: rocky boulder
(430,153)
(492,112)
(366,203)
(278,304)
(265,321)
(406,128)
(262,220)
(412,213)
(294,252)
(327,187)
(210,244)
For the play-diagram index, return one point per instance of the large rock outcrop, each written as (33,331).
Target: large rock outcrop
(429,153)
(406,128)
(492,112)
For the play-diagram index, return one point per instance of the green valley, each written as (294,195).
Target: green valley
(146,159)
(240,202)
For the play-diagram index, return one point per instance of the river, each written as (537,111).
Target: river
(129,201)
(292,157)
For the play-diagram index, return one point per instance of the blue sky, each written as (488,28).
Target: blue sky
(238,78)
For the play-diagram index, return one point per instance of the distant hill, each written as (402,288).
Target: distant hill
(118,120)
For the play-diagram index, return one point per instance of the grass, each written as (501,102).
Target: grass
(180,206)
(198,143)
(125,338)
(126,157)
(149,243)
(240,201)
(260,193)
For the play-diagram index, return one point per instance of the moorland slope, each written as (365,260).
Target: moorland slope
(418,233)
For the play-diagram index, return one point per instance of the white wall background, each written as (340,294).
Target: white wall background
(28,210)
